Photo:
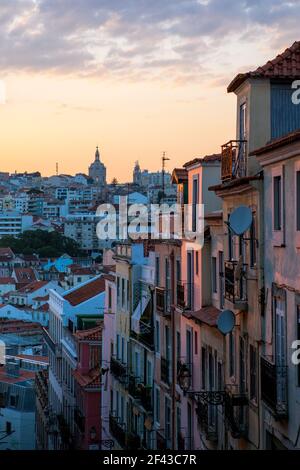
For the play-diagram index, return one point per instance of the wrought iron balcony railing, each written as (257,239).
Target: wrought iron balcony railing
(165,370)
(118,369)
(185,295)
(274,387)
(236,282)
(163,301)
(146,335)
(233,160)
(235,412)
(116,430)
(140,392)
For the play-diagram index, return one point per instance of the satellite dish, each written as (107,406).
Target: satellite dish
(240,220)
(226,322)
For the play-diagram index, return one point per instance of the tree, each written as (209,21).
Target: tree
(45,244)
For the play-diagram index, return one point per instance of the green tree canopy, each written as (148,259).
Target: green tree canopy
(45,244)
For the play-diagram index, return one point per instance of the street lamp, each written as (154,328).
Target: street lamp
(184,378)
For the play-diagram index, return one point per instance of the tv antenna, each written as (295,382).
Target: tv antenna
(163,160)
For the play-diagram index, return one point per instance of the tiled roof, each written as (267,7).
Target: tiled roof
(41,298)
(86,291)
(32,287)
(23,375)
(208,315)
(285,66)
(92,379)
(24,275)
(277,143)
(93,334)
(214,157)
(7,280)
(179,175)
(6,252)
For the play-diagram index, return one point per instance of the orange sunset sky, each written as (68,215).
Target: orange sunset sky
(136,77)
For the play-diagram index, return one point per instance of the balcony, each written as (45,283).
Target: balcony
(274,387)
(207,420)
(236,284)
(185,293)
(118,370)
(233,160)
(140,392)
(165,370)
(116,430)
(146,335)
(163,301)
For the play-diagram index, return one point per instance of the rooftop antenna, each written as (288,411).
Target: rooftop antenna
(164,159)
(56,168)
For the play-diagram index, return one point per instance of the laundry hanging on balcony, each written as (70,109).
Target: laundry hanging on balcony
(138,313)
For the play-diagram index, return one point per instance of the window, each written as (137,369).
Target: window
(230,243)
(123,292)
(277,202)
(221,279)
(197,262)
(109,297)
(178,346)
(157,336)
(253,244)
(231,354)
(157,273)
(194,204)
(196,342)
(298,199)
(157,405)
(214,274)
(167,421)
(203,368)
(118,347)
(253,373)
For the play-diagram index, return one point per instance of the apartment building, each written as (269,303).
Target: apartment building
(77,309)
(14,223)
(279,375)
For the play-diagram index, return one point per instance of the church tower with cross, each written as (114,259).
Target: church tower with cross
(97,171)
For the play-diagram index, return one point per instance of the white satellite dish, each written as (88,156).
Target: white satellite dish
(226,322)
(240,220)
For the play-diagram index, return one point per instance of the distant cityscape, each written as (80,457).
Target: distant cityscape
(159,344)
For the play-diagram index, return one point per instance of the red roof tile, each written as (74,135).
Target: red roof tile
(93,334)
(7,280)
(92,379)
(214,157)
(285,66)
(208,315)
(85,292)
(179,175)
(277,143)
(25,275)
(32,287)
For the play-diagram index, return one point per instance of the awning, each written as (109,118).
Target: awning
(138,313)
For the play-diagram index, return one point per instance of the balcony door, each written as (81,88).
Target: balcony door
(190,279)
(280,347)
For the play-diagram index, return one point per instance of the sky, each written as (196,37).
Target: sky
(136,77)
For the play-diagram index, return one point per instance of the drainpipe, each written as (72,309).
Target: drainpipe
(174,366)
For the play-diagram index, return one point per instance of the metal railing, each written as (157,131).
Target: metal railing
(117,431)
(233,160)
(235,281)
(163,300)
(274,386)
(118,369)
